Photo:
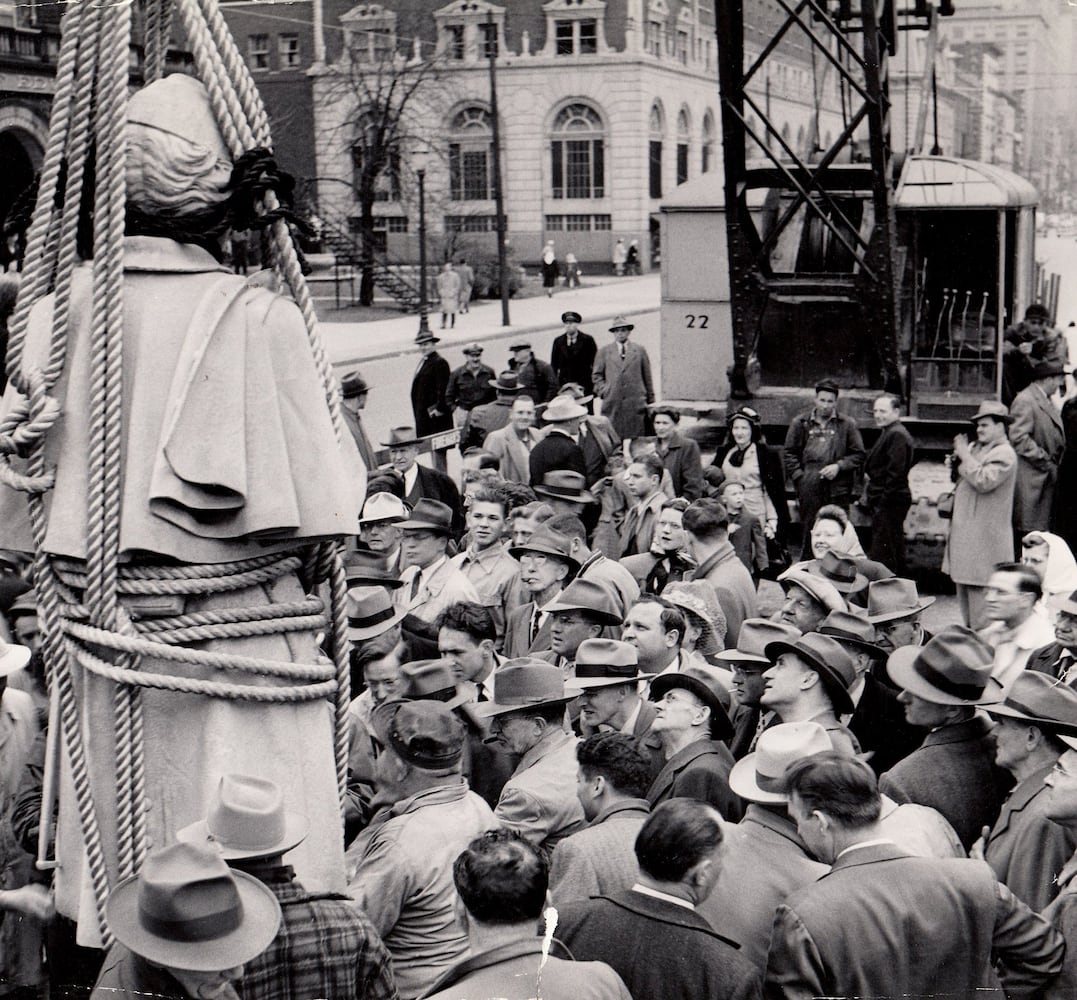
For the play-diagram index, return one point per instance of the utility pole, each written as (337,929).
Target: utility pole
(499,195)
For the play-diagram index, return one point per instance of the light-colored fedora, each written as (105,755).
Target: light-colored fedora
(760,775)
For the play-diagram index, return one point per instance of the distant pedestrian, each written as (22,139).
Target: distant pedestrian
(467,284)
(470,385)
(353,391)
(572,271)
(536,378)
(632,261)
(886,492)
(449,293)
(622,380)
(550,268)
(428,388)
(620,254)
(573,355)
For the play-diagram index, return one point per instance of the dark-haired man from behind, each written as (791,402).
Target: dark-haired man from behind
(612,788)
(706,527)
(501,881)
(652,935)
(882,923)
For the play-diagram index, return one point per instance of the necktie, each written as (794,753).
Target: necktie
(1066,668)
(481,696)
(760,728)
(622,352)
(533,630)
(415,584)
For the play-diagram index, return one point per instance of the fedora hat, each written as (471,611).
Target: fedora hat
(247,819)
(474,348)
(1059,603)
(954,668)
(432,680)
(992,408)
(425,734)
(24,604)
(1043,701)
(816,587)
(894,598)
(353,384)
(586,595)
(520,345)
(760,776)
(429,515)
(13,657)
(371,613)
(571,316)
(825,656)
(401,436)
(179,105)
(562,408)
(606,662)
(707,687)
(698,598)
(383,506)
(840,570)
(564,484)
(367,569)
(186,909)
(754,637)
(506,383)
(852,630)
(525,683)
(620,323)
(577,392)
(546,541)
(426,337)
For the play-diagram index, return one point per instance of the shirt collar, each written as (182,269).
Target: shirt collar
(630,722)
(864,843)
(645,890)
(410,478)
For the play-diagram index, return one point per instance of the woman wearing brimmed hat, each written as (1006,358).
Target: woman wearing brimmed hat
(981,531)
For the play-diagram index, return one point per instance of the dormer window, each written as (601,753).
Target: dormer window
(470,30)
(370,32)
(575,27)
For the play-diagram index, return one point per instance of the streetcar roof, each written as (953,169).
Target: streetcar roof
(947,182)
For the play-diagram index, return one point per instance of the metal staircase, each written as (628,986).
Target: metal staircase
(389,272)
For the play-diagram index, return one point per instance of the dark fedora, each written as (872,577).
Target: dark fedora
(606,662)
(429,515)
(826,657)
(1047,369)
(367,569)
(564,484)
(425,734)
(426,337)
(526,683)
(620,323)
(353,384)
(571,316)
(401,436)
(840,569)
(1041,700)
(754,637)
(371,613)
(1037,310)
(432,680)
(852,630)
(954,668)
(707,687)
(545,541)
(186,909)
(894,598)
(994,409)
(507,383)
(586,595)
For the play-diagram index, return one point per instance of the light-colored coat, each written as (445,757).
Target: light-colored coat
(514,454)
(981,535)
(1039,440)
(625,387)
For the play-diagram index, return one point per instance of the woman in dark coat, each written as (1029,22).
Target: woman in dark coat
(747,459)
(550,268)
(680,455)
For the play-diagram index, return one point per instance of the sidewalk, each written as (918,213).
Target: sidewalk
(348,343)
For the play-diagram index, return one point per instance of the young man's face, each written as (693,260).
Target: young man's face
(486,521)
(826,402)
(639,481)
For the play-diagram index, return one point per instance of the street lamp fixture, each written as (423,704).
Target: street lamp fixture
(420,157)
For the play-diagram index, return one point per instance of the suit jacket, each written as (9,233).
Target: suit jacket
(536,379)
(625,387)
(483,419)
(637,531)
(879,725)
(685,466)
(574,364)
(514,454)
(763,861)
(555,451)
(1039,440)
(614,577)
(428,392)
(598,440)
(517,629)
(650,577)
(436,485)
(659,949)
(954,771)
(745,722)
(733,587)
(700,771)
(539,800)
(887,468)
(1045,659)
(1025,848)
(601,860)
(884,924)
(354,423)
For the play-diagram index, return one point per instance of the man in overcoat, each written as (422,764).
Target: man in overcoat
(428,387)
(622,380)
(573,355)
(1039,440)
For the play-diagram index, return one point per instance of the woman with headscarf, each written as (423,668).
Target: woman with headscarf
(1053,561)
(833,535)
(747,459)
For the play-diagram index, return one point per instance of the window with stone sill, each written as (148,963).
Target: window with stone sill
(577,153)
(470,153)
(288,51)
(258,51)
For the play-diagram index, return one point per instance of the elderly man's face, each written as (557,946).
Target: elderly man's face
(599,706)
(801,610)
(421,548)
(903,632)
(678,711)
(403,457)
(1011,743)
(516,732)
(568,629)
(539,572)
(381,536)
(1061,800)
(1066,630)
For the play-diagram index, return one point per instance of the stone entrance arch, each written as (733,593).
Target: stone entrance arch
(22,144)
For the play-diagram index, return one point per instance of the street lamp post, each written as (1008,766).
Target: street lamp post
(418,161)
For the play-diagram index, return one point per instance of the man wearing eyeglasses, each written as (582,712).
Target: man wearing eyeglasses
(1059,658)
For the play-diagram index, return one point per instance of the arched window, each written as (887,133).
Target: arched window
(470,168)
(654,158)
(684,131)
(707,150)
(577,153)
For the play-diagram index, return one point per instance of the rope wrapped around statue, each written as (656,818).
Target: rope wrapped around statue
(233,485)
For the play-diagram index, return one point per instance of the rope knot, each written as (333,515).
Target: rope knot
(254,175)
